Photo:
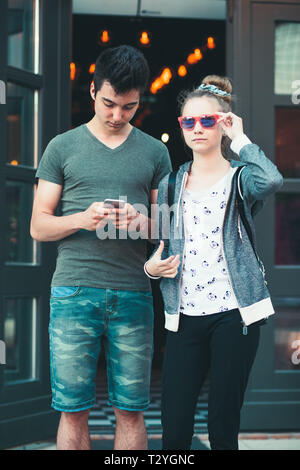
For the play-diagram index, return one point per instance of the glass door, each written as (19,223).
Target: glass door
(35,72)
(274,92)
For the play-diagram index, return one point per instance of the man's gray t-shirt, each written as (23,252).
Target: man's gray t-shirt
(89,171)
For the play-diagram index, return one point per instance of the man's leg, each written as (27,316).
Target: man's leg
(76,325)
(73,432)
(128,344)
(130,430)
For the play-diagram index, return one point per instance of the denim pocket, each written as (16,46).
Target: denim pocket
(64,292)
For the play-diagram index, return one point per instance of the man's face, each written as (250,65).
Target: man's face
(115,111)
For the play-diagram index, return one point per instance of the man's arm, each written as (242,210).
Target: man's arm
(46,227)
(151,222)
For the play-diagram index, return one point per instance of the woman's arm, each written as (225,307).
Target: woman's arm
(260,177)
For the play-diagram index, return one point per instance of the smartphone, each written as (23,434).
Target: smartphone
(116,203)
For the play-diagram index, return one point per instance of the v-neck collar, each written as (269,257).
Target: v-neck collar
(105,147)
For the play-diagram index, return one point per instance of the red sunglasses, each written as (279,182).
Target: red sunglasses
(207,121)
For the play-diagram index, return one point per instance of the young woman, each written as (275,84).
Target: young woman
(214,291)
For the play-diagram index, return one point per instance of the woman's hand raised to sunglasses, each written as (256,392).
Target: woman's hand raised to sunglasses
(231,124)
(162,267)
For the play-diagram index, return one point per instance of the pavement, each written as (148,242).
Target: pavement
(250,441)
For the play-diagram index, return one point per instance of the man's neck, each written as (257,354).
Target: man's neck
(111,139)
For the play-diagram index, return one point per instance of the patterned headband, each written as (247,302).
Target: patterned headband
(213,89)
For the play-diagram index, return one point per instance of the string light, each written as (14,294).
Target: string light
(182,71)
(211,43)
(104,36)
(162,80)
(144,38)
(166,75)
(198,54)
(191,59)
(72,70)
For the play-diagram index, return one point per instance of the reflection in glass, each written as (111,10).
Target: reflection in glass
(19,338)
(19,244)
(287,229)
(21,19)
(287,57)
(20,125)
(287,338)
(287,125)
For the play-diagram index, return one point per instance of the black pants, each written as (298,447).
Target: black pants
(213,343)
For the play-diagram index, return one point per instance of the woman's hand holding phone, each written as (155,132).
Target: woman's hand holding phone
(165,268)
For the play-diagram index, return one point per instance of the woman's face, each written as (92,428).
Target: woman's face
(202,140)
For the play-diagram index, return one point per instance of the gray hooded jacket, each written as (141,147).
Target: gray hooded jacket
(258,179)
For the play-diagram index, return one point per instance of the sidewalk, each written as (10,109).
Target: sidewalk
(251,441)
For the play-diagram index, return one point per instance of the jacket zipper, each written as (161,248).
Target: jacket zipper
(245,329)
(180,285)
(260,263)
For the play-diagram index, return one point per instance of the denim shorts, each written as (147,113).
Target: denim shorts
(79,317)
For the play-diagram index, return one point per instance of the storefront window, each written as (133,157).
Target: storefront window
(20,247)
(287,337)
(287,140)
(287,229)
(287,57)
(20,125)
(23,34)
(20,339)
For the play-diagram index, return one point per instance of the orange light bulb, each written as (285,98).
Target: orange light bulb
(144,39)
(182,71)
(72,70)
(104,36)
(211,43)
(191,59)
(166,75)
(198,54)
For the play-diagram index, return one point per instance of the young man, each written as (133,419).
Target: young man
(99,288)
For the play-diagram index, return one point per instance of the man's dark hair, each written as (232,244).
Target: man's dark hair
(124,67)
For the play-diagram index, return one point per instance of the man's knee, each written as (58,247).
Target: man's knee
(75,415)
(128,416)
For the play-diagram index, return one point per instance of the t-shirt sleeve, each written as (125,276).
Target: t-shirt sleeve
(163,168)
(50,167)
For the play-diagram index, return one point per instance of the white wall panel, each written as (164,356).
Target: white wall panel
(205,9)
(106,7)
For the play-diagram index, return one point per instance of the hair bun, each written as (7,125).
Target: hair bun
(221,82)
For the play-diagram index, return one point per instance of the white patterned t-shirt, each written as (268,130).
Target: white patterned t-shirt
(205,283)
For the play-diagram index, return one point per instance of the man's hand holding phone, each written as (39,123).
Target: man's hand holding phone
(122,213)
(95,216)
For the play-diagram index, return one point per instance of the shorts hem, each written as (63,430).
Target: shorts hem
(83,406)
(121,406)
